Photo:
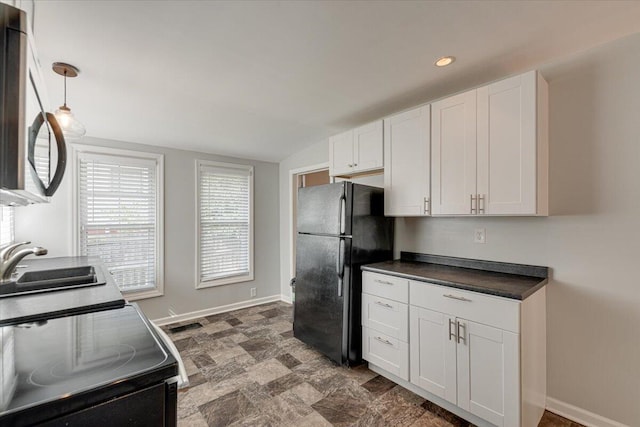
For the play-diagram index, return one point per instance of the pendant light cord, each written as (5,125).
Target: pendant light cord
(65,88)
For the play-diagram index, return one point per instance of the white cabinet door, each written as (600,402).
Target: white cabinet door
(368,147)
(406,163)
(341,154)
(432,350)
(453,165)
(488,373)
(507,136)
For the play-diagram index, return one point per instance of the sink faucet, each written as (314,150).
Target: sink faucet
(10,257)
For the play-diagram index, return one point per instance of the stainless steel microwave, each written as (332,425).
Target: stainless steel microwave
(32,147)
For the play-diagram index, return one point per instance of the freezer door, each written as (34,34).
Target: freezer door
(372,232)
(322,289)
(324,209)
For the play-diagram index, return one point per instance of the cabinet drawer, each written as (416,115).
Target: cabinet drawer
(386,352)
(487,309)
(382,285)
(385,315)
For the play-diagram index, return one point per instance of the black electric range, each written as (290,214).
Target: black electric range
(106,367)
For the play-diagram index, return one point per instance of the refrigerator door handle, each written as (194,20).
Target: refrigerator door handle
(340,265)
(342,215)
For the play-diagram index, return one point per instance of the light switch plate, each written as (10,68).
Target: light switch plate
(480,235)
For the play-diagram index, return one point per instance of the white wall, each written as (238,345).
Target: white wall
(313,155)
(50,225)
(591,240)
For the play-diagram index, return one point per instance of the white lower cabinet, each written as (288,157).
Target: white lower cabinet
(385,315)
(385,351)
(471,365)
(385,322)
(432,353)
(482,355)
(487,362)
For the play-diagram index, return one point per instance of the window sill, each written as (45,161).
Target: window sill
(138,295)
(224,281)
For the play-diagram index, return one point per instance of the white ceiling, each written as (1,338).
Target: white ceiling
(265,79)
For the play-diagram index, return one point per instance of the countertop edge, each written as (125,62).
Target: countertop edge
(478,264)
(471,288)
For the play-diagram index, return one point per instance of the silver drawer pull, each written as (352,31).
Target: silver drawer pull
(384,304)
(456,297)
(383,341)
(384,282)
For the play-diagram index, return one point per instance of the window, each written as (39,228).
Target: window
(6,225)
(119,215)
(225,223)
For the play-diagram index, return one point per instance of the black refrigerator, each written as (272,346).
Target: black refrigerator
(340,227)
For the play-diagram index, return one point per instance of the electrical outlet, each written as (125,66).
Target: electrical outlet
(480,235)
(253,292)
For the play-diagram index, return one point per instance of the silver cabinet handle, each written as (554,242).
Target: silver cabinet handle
(426,206)
(355,164)
(452,334)
(456,297)
(471,200)
(461,335)
(383,341)
(380,303)
(384,282)
(480,205)
(350,165)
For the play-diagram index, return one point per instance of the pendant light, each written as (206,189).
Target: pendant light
(71,127)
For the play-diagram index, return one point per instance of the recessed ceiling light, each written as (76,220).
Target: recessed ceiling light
(445,60)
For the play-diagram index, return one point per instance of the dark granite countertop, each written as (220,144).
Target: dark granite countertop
(59,303)
(515,281)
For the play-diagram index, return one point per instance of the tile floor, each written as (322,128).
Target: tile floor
(246,369)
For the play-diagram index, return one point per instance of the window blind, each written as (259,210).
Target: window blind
(224,221)
(117,214)
(41,159)
(6,225)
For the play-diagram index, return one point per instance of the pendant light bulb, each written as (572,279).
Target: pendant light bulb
(71,127)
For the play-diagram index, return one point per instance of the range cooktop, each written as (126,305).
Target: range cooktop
(55,360)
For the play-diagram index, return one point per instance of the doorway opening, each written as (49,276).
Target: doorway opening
(304,177)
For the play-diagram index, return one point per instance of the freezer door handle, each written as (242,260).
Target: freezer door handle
(342,215)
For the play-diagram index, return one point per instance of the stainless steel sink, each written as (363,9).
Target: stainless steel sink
(53,280)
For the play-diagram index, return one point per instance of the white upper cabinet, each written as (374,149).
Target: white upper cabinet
(512,146)
(368,151)
(406,163)
(490,150)
(453,145)
(341,154)
(356,151)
